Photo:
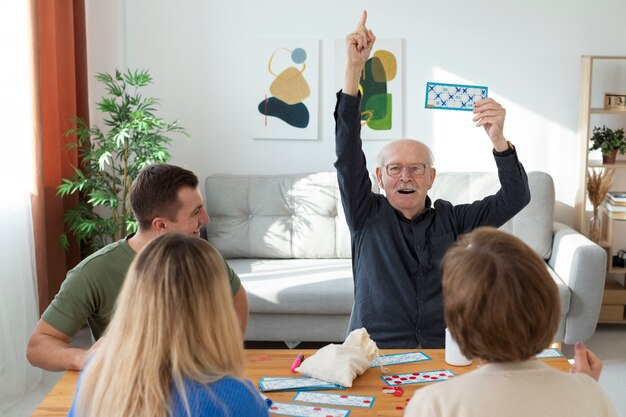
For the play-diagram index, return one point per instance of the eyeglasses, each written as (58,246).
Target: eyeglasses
(415,170)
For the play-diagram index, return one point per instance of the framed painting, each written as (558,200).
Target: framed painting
(285,85)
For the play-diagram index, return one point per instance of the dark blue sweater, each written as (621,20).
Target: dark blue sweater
(396,261)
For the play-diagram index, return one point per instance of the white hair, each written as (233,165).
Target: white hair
(382,155)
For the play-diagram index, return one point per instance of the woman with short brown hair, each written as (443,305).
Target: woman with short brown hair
(502,307)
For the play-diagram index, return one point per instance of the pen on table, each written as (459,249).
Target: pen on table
(267,400)
(296,362)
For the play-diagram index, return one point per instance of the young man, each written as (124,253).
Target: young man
(399,239)
(164,198)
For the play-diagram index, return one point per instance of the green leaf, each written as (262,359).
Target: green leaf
(64,242)
(132,137)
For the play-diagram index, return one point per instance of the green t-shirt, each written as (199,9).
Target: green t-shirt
(91,288)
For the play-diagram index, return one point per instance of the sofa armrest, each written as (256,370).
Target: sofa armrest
(581,265)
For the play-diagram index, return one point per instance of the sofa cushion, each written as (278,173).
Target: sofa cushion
(533,224)
(298,286)
(277,216)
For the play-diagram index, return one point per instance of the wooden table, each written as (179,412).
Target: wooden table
(276,362)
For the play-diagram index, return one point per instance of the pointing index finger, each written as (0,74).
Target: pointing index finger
(363,19)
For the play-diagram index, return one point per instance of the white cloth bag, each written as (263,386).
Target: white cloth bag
(340,364)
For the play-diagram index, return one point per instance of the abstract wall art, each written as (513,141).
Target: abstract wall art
(284,97)
(381,89)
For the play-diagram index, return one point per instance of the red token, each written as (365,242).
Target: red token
(412,377)
(388,379)
(416,373)
(343,396)
(403,378)
(273,407)
(442,374)
(366,401)
(399,407)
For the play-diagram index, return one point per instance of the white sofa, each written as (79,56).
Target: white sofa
(286,237)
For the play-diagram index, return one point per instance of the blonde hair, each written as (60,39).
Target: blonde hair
(174,320)
(501,304)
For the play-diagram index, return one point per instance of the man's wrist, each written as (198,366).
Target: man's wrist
(351,80)
(78,359)
(506,151)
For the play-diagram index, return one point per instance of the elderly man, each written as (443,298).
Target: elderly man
(398,240)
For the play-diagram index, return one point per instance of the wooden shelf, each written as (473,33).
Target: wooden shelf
(603,57)
(597,110)
(585,128)
(599,164)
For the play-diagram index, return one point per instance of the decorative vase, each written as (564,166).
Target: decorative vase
(610,159)
(595,226)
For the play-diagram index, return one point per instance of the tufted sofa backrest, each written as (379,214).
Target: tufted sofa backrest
(277,216)
(533,224)
(301,216)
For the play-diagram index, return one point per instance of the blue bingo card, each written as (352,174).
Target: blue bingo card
(453,96)
(550,353)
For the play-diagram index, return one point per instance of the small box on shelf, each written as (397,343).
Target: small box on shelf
(611,313)
(614,293)
(615,101)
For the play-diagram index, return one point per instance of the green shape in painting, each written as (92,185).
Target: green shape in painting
(370,86)
(380,105)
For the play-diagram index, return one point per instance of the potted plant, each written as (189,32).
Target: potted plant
(110,160)
(598,185)
(609,142)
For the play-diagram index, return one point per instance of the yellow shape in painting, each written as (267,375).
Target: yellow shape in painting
(290,86)
(389,66)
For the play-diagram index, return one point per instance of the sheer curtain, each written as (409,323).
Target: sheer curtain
(18,121)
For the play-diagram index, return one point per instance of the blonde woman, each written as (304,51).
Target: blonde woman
(174,345)
(502,307)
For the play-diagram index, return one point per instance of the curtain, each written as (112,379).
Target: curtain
(43,84)
(63,95)
(18,114)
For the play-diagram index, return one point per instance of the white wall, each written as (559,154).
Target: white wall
(527,53)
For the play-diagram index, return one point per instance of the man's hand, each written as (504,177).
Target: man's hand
(490,115)
(586,362)
(359,45)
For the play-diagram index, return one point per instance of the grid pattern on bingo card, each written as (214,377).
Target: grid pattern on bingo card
(418,377)
(397,358)
(453,96)
(286,409)
(344,400)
